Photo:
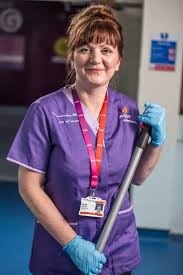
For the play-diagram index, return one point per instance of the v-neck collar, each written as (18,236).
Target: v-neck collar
(91,121)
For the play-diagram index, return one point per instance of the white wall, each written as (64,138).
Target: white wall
(158,202)
(177,213)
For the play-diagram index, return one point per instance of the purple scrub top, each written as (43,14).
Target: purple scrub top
(50,141)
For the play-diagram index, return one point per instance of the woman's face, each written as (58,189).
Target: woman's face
(95,64)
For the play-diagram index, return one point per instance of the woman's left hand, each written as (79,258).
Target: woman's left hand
(154,115)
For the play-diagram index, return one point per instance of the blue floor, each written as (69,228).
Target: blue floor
(161,255)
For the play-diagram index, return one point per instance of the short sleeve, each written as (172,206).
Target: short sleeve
(32,144)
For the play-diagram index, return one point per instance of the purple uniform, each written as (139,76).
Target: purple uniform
(50,141)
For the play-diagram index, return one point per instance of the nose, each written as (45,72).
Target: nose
(94,58)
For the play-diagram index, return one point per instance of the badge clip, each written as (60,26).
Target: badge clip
(92,190)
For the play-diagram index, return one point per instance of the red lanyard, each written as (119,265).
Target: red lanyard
(95,158)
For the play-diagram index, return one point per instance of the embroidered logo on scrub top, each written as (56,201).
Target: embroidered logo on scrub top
(125,116)
(124,113)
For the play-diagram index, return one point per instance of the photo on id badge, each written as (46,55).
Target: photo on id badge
(99,207)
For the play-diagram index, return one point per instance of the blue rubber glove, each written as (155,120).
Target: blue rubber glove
(85,256)
(154,115)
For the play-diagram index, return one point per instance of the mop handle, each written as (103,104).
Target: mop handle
(141,144)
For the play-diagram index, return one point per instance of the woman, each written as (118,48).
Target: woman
(73,149)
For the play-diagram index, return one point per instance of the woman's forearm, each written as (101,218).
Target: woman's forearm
(30,188)
(146,164)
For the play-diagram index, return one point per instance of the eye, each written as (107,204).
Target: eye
(107,51)
(84,50)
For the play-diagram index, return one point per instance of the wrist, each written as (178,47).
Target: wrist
(157,143)
(67,237)
(72,242)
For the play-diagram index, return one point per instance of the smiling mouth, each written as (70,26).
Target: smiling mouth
(94,70)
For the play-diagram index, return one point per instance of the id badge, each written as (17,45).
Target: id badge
(92,207)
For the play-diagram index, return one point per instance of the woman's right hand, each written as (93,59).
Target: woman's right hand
(85,256)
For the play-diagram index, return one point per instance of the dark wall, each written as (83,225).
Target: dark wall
(32,61)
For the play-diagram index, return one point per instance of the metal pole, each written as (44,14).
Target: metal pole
(141,144)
